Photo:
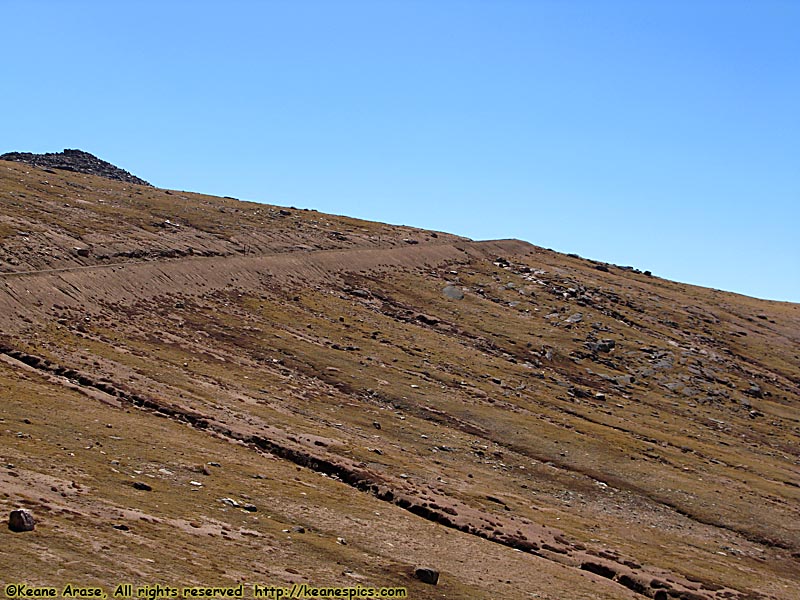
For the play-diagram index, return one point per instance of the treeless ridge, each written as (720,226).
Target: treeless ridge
(553,428)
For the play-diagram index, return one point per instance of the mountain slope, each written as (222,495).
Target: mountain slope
(530,424)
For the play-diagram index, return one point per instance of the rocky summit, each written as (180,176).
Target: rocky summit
(198,391)
(74,160)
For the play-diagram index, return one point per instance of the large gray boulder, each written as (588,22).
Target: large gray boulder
(453,292)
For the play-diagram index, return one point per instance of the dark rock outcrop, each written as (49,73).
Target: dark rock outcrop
(427,575)
(21,520)
(77,161)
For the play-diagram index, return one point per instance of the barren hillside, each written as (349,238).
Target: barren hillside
(202,391)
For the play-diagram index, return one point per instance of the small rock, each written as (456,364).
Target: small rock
(298,529)
(427,575)
(142,486)
(122,527)
(576,318)
(376,425)
(250,507)
(21,520)
(341,540)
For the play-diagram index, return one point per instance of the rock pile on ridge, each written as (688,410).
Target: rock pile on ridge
(77,161)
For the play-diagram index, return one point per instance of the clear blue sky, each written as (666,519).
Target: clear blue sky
(662,135)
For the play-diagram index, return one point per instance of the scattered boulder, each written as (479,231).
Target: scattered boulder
(578,392)
(21,520)
(598,569)
(427,575)
(754,391)
(604,345)
(427,319)
(633,584)
(453,292)
(624,379)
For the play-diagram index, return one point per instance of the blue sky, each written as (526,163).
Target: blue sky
(662,135)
